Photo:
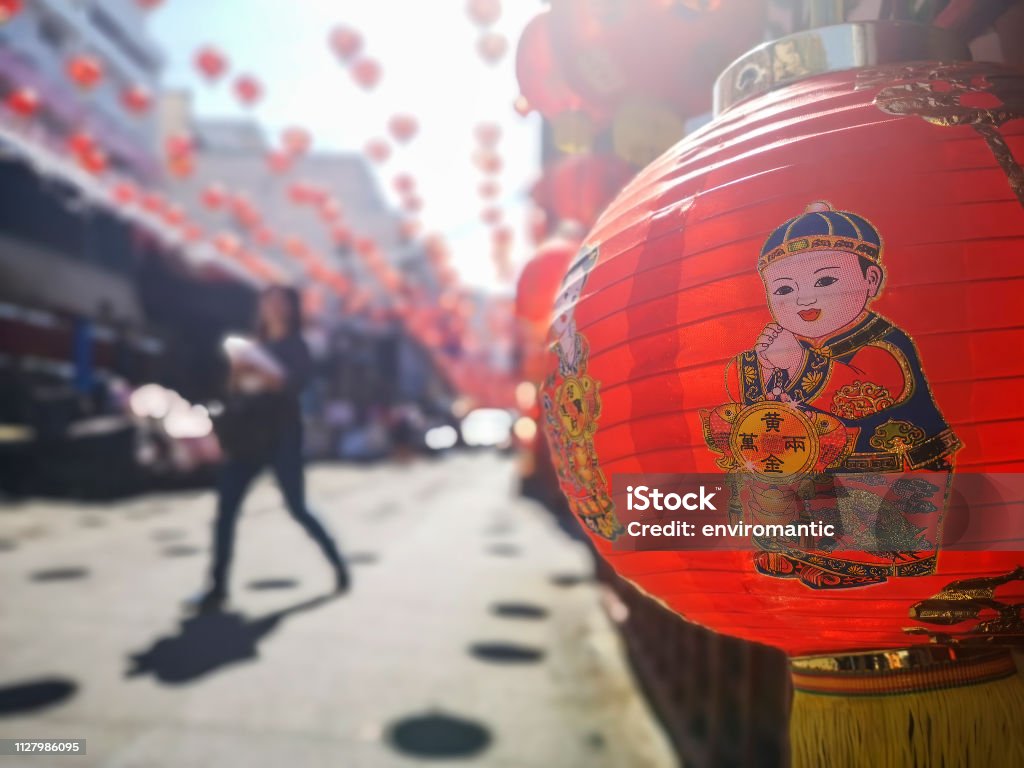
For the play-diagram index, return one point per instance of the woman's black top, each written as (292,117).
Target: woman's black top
(293,355)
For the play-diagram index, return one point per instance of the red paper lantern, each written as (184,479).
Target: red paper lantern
(9,9)
(403,128)
(93,159)
(488,162)
(488,135)
(618,48)
(24,102)
(136,99)
(578,187)
(85,71)
(491,216)
(279,162)
(412,203)
(492,47)
(296,141)
(214,197)
(541,77)
(124,194)
(366,72)
(378,150)
(489,189)
(345,42)
(404,184)
(80,142)
(677,337)
(211,63)
(248,90)
(484,13)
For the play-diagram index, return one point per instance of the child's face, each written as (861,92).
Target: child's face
(816,294)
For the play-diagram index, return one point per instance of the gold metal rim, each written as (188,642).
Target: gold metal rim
(832,49)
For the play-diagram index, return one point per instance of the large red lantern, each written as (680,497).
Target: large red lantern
(211,63)
(24,102)
(813,303)
(543,85)
(535,296)
(578,187)
(85,71)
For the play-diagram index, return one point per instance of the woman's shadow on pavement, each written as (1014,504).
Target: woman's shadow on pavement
(208,641)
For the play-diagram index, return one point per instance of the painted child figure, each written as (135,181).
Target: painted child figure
(831,365)
(826,350)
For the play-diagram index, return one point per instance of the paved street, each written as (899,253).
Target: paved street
(474,634)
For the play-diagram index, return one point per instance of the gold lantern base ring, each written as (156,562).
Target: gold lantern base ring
(918,707)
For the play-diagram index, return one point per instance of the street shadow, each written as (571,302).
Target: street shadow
(180,550)
(70,573)
(361,558)
(168,534)
(506,653)
(34,695)
(209,641)
(266,585)
(504,550)
(527,611)
(438,735)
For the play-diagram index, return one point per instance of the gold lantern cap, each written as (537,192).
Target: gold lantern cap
(832,49)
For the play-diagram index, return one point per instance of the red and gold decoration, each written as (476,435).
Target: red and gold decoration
(816,298)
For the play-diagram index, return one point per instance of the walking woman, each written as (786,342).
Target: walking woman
(262,426)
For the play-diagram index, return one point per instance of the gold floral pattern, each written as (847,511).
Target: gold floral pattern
(860,399)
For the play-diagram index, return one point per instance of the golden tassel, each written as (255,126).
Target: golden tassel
(918,708)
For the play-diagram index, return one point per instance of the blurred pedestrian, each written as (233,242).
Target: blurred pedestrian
(262,425)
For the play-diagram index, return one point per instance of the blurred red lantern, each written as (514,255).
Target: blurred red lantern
(345,42)
(541,78)
(700,324)
(178,145)
(279,161)
(248,90)
(366,72)
(488,161)
(618,48)
(403,128)
(491,216)
(404,184)
(488,135)
(264,237)
(227,244)
(522,106)
(296,140)
(93,159)
(9,9)
(211,62)
(409,228)
(502,236)
(489,189)
(136,99)
(341,236)
(214,196)
(124,193)
(80,142)
(148,5)
(578,187)
(492,47)
(378,150)
(484,12)
(412,203)
(85,71)
(24,102)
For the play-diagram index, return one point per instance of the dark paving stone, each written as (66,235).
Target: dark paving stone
(270,584)
(180,550)
(504,550)
(362,558)
(569,579)
(69,573)
(34,695)
(438,736)
(519,611)
(169,534)
(506,653)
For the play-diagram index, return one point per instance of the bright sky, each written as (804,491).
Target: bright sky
(430,69)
